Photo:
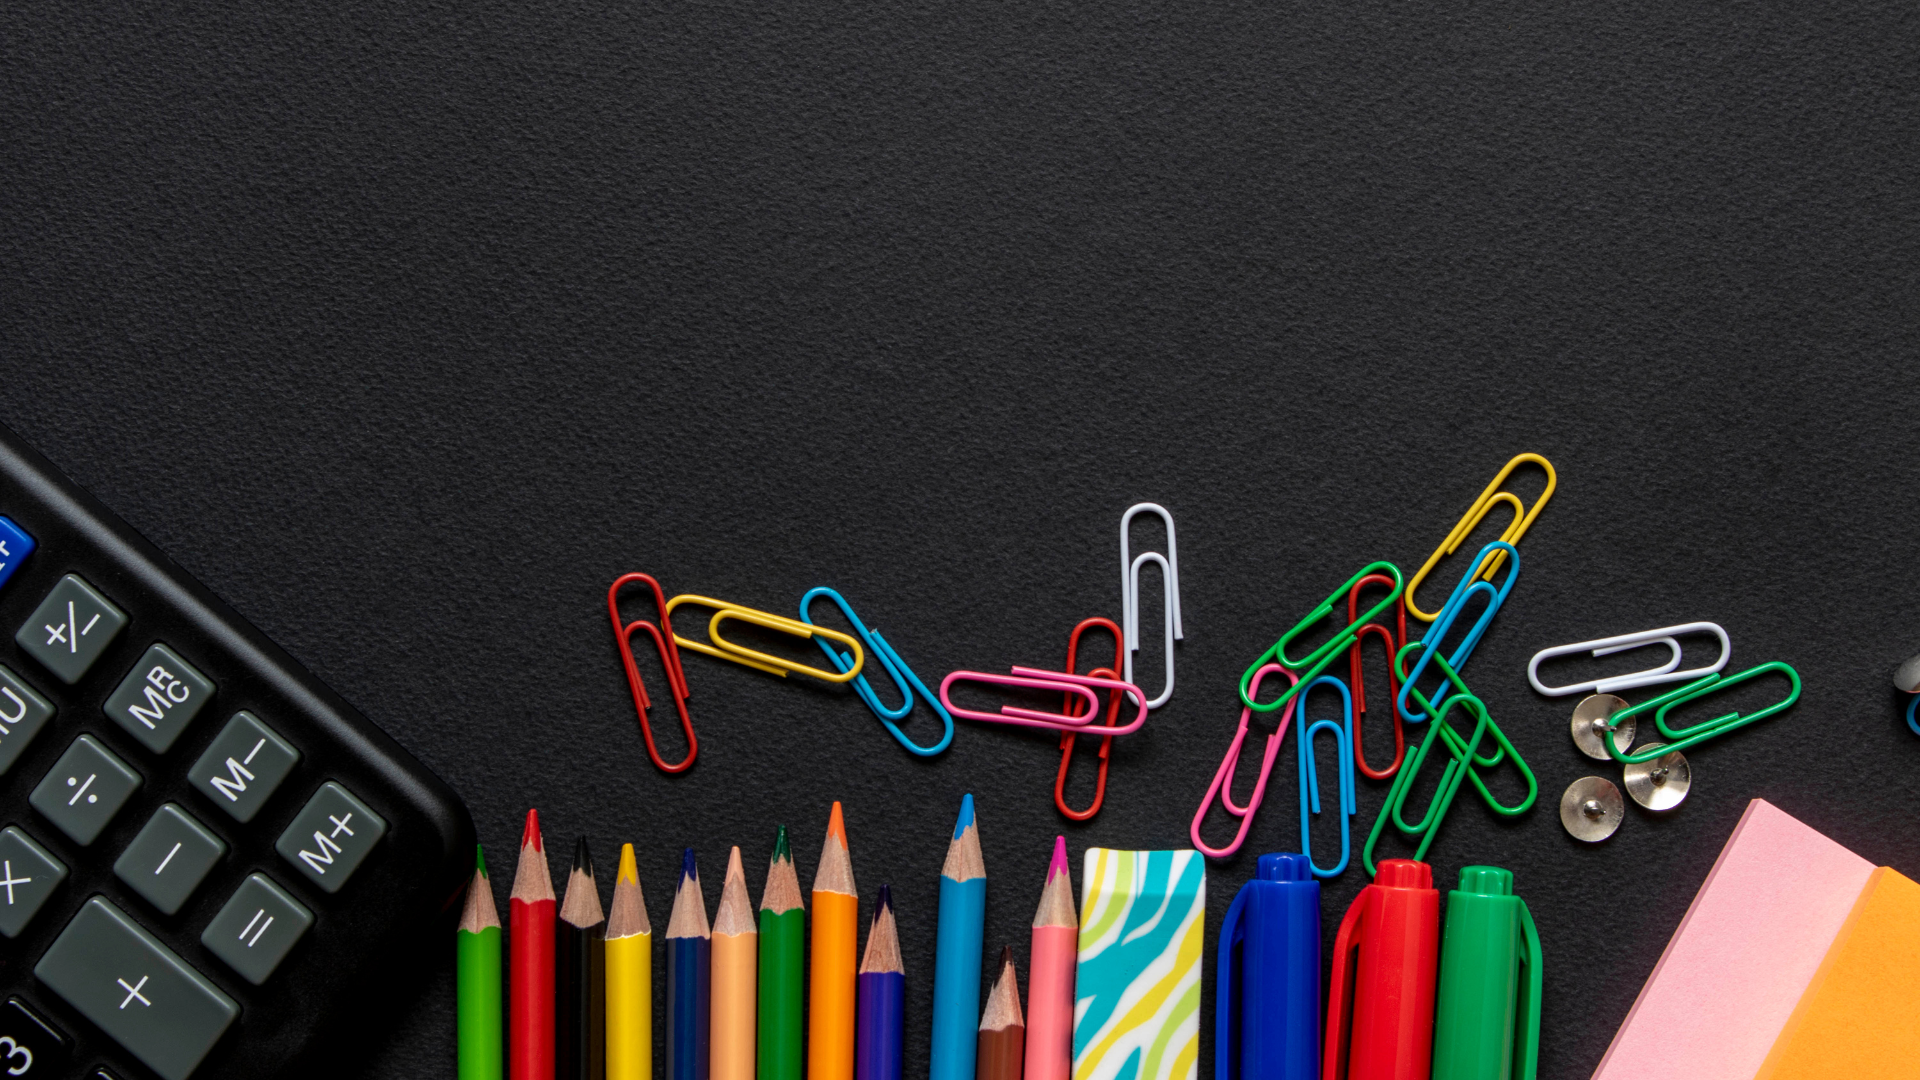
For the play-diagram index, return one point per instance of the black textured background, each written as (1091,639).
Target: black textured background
(408,327)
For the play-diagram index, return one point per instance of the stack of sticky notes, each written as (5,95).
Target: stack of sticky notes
(1797,959)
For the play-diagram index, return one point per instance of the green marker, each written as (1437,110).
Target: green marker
(1487,1024)
(783,970)
(482,1055)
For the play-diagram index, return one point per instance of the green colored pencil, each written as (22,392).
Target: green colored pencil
(783,970)
(482,1053)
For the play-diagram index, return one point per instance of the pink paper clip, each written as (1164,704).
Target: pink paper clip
(1222,785)
(1055,682)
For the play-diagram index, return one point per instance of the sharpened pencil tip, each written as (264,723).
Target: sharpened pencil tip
(480,860)
(582,860)
(1059,864)
(781,850)
(837,825)
(886,900)
(688,869)
(530,836)
(966,815)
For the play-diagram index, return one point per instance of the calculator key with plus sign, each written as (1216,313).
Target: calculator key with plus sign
(210,864)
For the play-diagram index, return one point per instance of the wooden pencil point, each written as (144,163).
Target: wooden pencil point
(835,874)
(532,881)
(735,916)
(781,894)
(628,915)
(883,939)
(689,916)
(479,913)
(581,907)
(1003,1002)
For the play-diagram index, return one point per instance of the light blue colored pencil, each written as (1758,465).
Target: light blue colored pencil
(956,963)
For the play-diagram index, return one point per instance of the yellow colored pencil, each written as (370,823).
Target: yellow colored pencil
(629,977)
(836,932)
(736,963)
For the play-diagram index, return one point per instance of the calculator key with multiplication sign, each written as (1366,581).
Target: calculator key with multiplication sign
(211,867)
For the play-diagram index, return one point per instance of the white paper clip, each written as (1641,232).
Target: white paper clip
(1130,595)
(1665,673)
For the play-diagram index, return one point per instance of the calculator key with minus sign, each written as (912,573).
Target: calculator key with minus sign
(210,865)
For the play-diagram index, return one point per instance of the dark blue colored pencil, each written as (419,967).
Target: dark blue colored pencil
(882,1009)
(689,965)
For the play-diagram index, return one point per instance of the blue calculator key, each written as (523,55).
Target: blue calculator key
(137,990)
(15,546)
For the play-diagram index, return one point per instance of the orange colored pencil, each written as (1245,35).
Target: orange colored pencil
(836,933)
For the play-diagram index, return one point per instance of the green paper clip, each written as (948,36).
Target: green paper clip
(1320,658)
(1701,732)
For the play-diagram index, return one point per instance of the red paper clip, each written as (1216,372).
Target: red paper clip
(669,659)
(1069,738)
(1359,686)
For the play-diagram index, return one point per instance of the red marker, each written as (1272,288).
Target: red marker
(1385,1000)
(530,913)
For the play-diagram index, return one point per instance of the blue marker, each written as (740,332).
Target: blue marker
(1267,1002)
(15,546)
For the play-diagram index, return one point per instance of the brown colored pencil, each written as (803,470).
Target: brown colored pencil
(1003,1034)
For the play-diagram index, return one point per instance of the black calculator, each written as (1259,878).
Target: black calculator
(210,864)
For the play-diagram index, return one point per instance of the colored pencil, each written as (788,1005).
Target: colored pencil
(836,944)
(1003,1035)
(783,967)
(530,913)
(629,977)
(736,962)
(956,958)
(477,959)
(689,958)
(1050,968)
(883,991)
(580,976)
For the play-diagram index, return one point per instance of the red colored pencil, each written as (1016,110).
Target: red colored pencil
(531,913)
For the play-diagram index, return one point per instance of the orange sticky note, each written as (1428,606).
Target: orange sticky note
(1769,911)
(1857,1018)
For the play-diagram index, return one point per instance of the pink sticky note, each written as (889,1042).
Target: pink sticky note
(1749,944)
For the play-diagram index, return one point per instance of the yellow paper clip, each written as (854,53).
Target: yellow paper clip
(1492,496)
(723,649)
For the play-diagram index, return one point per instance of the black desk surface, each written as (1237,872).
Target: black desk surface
(407,328)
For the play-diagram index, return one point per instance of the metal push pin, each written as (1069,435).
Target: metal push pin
(1591,809)
(1662,783)
(1590,725)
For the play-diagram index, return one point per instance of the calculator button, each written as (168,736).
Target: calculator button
(15,546)
(29,1046)
(159,698)
(169,859)
(257,928)
(331,837)
(116,975)
(71,628)
(86,788)
(243,766)
(22,714)
(31,875)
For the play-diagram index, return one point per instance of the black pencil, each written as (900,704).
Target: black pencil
(580,980)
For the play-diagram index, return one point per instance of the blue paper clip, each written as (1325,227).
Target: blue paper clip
(1462,592)
(897,669)
(1309,776)
(1913,719)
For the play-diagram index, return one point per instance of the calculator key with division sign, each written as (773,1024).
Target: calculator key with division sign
(210,864)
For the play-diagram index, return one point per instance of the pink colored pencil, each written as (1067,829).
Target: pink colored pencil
(1056,949)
